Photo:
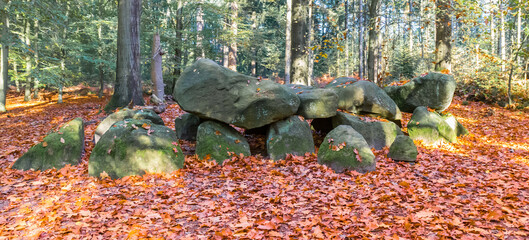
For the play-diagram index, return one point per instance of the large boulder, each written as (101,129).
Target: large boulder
(317,103)
(363,97)
(186,126)
(125,114)
(403,149)
(341,82)
(218,141)
(430,127)
(345,149)
(454,124)
(136,146)
(290,135)
(56,150)
(377,134)
(434,90)
(211,91)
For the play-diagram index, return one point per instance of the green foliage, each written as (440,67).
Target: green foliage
(404,65)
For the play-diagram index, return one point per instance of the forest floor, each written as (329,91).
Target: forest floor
(476,188)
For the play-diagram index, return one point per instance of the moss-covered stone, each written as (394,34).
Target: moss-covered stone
(317,103)
(339,151)
(403,149)
(455,124)
(377,134)
(218,141)
(125,114)
(133,147)
(56,150)
(290,135)
(186,126)
(430,127)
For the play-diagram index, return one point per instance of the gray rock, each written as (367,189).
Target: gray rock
(290,135)
(56,150)
(363,97)
(317,103)
(136,146)
(125,114)
(435,90)
(430,127)
(186,126)
(403,149)
(454,124)
(211,91)
(345,149)
(377,134)
(218,141)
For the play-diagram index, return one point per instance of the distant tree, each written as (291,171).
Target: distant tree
(288,42)
(4,64)
(128,82)
(299,68)
(373,36)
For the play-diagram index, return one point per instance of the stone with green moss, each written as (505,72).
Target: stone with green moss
(219,141)
(186,126)
(430,127)
(125,114)
(403,149)
(317,103)
(454,124)
(136,146)
(289,136)
(345,149)
(377,134)
(433,90)
(56,150)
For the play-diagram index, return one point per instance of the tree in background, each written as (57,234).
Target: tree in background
(299,33)
(443,36)
(128,78)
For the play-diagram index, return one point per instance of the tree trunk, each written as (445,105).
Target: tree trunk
(100,67)
(232,55)
(410,29)
(346,38)
(373,37)
(253,66)
(200,26)
(178,44)
(311,42)
(156,67)
(63,68)
(37,62)
(492,34)
(27,87)
(299,67)
(443,36)
(502,38)
(361,40)
(15,76)
(4,61)
(519,29)
(128,81)
(288,42)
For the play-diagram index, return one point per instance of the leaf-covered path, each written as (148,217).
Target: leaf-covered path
(477,188)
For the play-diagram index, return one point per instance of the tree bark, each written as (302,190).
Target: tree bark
(232,55)
(253,64)
(373,37)
(100,67)
(156,67)
(443,36)
(4,61)
(502,38)
(288,42)
(128,81)
(299,68)
(311,42)
(178,44)
(361,40)
(200,26)
(29,68)
(492,34)
(410,29)
(346,37)
(36,81)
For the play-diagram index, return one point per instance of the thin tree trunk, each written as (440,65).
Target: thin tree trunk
(443,36)
(232,55)
(15,76)
(253,67)
(128,81)
(100,67)
(373,36)
(63,68)
(346,38)
(178,44)
(288,42)
(502,38)
(200,26)
(309,47)
(410,29)
(519,30)
(4,61)
(37,62)
(492,34)
(361,40)
(299,67)
(156,67)
(27,87)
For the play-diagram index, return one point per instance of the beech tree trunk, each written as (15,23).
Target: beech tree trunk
(361,40)
(156,67)
(311,42)
(4,64)
(29,68)
(299,68)
(178,44)
(253,64)
(373,37)
(443,36)
(232,55)
(200,26)
(37,62)
(288,42)
(346,37)
(128,81)
(502,38)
